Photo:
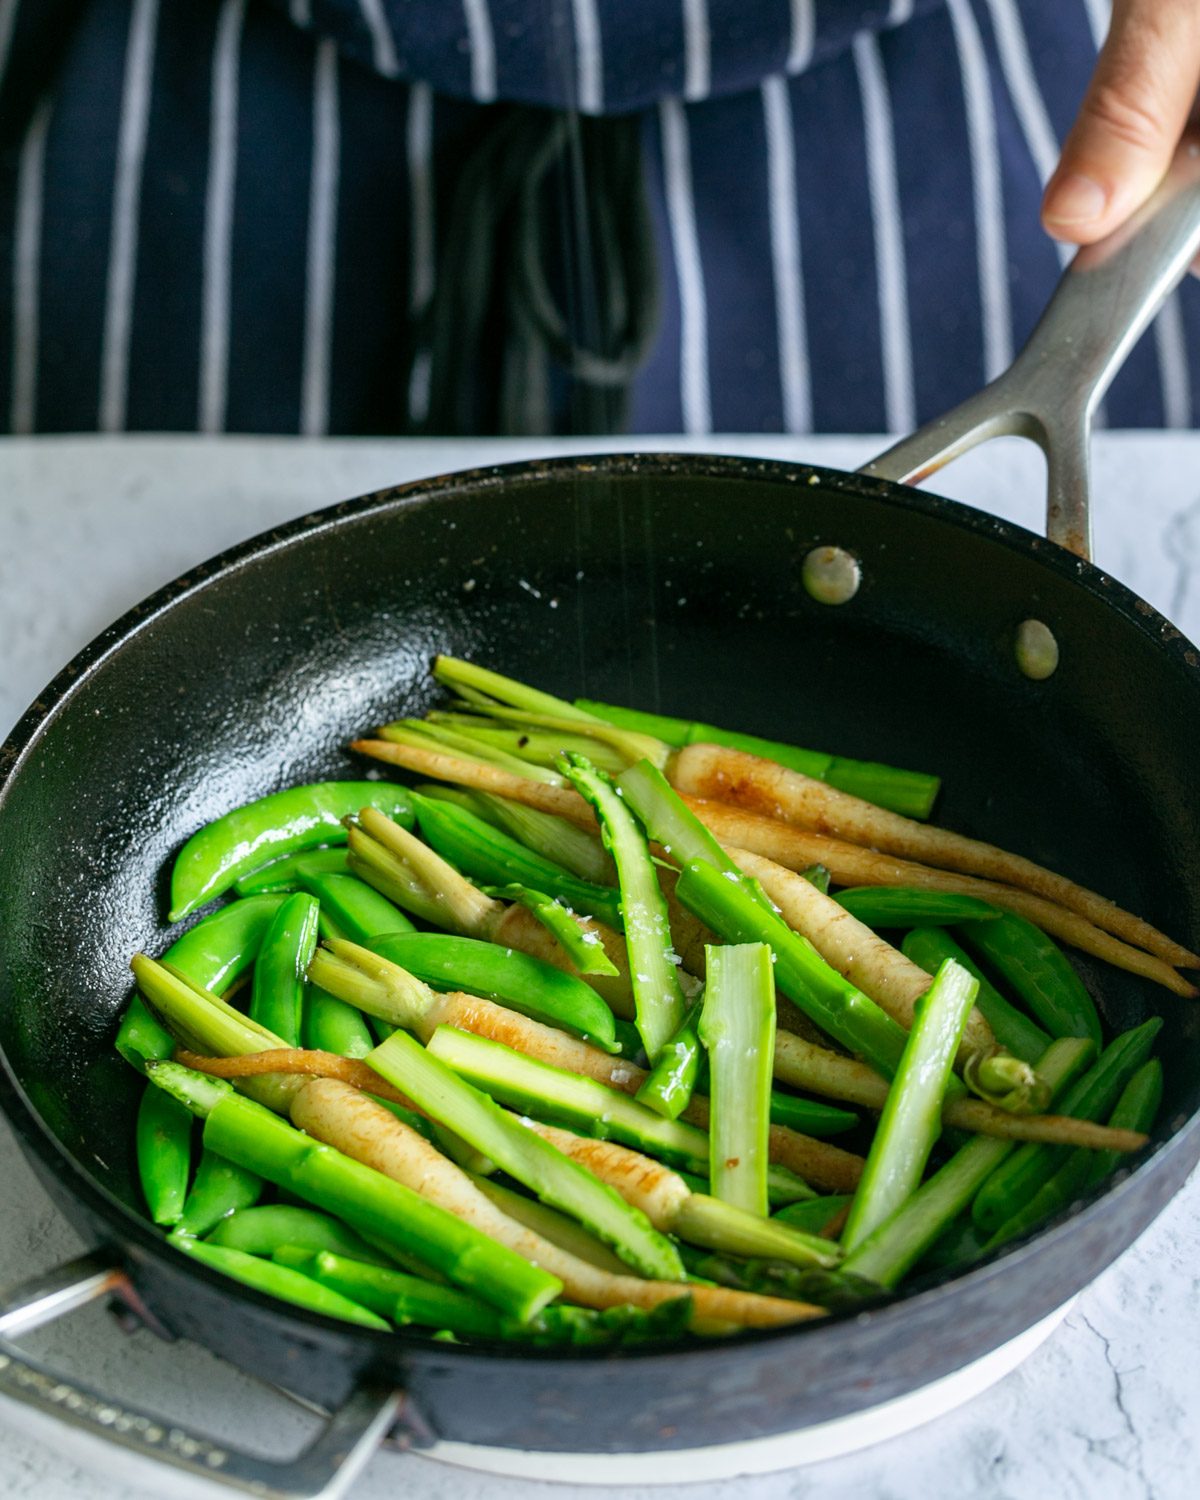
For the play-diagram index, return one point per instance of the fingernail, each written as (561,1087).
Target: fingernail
(1076,200)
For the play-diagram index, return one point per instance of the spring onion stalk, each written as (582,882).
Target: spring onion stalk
(420,735)
(896,1245)
(215,953)
(281,1281)
(553,838)
(485,854)
(931,946)
(581,945)
(448,1098)
(675,1208)
(618,746)
(413,875)
(465,676)
(737,1027)
(653,963)
(670,1083)
(911,1118)
(543,1091)
(1029,1168)
(909,792)
(541,746)
(369,1202)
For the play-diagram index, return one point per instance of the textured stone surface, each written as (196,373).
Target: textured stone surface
(1107,1409)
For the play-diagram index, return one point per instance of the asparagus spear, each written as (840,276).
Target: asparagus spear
(259,1140)
(737,1027)
(911,1119)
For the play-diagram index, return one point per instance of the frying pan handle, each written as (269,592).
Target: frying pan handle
(1101,307)
(325,1468)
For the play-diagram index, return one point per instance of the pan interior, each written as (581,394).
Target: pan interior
(671,585)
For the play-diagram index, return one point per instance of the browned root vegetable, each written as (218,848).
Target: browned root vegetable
(849,946)
(314,1063)
(762,786)
(849,864)
(339,1115)
(821,1071)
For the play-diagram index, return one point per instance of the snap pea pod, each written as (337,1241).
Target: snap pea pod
(912,1115)
(583,948)
(929,947)
(670,1083)
(653,964)
(1039,973)
(909,792)
(330,1025)
(905,906)
(221,1188)
(357,910)
(259,1230)
(900,1241)
(277,998)
(1135,1110)
(1022,1174)
(810,1116)
(280,1281)
(517,980)
(214,953)
(254,1137)
(164,1154)
(281,823)
(282,876)
(815,1214)
(490,856)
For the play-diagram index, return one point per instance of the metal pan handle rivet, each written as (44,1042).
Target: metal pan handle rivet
(1037,650)
(831,575)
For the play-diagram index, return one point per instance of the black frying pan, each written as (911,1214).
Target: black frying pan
(671,583)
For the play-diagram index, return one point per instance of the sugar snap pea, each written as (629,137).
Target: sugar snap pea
(1039,972)
(277,999)
(259,1230)
(281,823)
(330,1025)
(164,1133)
(280,1281)
(518,980)
(357,909)
(282,876)
(1022,1174)
(220,1188)
(929,947)
(904,906)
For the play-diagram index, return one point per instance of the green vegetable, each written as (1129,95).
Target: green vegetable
(373,1204)
(164,1133)
(912,1116)
(330,1025)
(909,792)
(221,1188)
(900,1241)
(284,875)
(902,906)
(584,949)
(653,964)
(279,1281)
(670,1083)
(395,1294)
(444,1096)
(1025,1172)
(281,823)
(737,1026)
(359,912)
(929,947)
(260,1231)
(277,998)
(814,1215)
(485,854)
(810,1116)
(523,983)
(1038,972)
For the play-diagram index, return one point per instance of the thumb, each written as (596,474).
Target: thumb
(1131,119)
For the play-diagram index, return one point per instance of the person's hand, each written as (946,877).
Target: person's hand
(1140,99)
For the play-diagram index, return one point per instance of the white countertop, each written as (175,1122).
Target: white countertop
(1107,1409)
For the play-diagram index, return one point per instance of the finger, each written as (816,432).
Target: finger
(1129,124)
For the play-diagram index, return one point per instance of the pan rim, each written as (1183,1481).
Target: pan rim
(471,484)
